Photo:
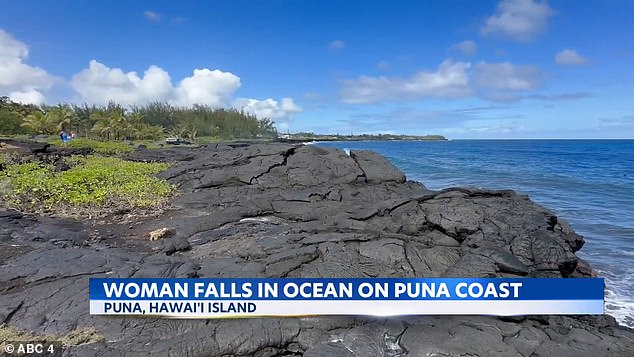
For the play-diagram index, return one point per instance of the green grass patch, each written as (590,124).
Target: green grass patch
(105,147)
(93,184)
(150,144)
(101,147)
(22,137)
(209,140)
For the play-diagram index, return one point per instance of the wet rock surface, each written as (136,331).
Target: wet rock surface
(279,210)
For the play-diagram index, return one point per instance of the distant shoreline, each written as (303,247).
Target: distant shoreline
(298,138)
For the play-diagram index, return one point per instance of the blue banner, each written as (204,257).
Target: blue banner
(307,289)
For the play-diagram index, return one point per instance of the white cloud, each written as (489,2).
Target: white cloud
(500,82)
(20,81)
(449,80)
(521,20)
(280,112)
(29,97)
(289,107)
(268,108)
(337,44)
(467,47)
(569,56)
(100,84)
(152,16)
(207,87)
(10,48)
(507,76)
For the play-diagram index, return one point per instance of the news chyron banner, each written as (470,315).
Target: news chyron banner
(261,297)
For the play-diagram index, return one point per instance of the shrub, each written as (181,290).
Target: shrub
(102,147)
(92,184)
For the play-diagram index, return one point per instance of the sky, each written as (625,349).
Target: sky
(498,69)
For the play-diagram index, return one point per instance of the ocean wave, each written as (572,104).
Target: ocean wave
(627,252)
(619,307)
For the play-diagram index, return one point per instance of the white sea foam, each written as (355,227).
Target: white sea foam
(618,300)
(621,307)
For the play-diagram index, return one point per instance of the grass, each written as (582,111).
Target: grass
(120,148)
(73,338)
(101,147)
(92,185)
(24,137)
(117,148)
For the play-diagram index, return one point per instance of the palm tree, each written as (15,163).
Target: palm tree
(119,123)
(153,132)
(135,123)
(102,125)
(179,131)
(39,123)
(63,116)
(136,117)
(192,133)
(84,119)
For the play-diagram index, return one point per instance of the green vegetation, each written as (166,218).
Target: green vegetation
(113,122)
(361,137)
(12,116)
(93,184)
(101,147)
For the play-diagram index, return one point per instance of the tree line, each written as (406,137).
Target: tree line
(115,122)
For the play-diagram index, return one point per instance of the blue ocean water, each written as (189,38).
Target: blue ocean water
(590,183)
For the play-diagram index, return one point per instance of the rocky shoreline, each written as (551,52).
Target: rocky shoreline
(282,210)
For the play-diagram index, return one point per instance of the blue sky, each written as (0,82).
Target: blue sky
(464,69)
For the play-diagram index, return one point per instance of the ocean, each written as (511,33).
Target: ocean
(589,183)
